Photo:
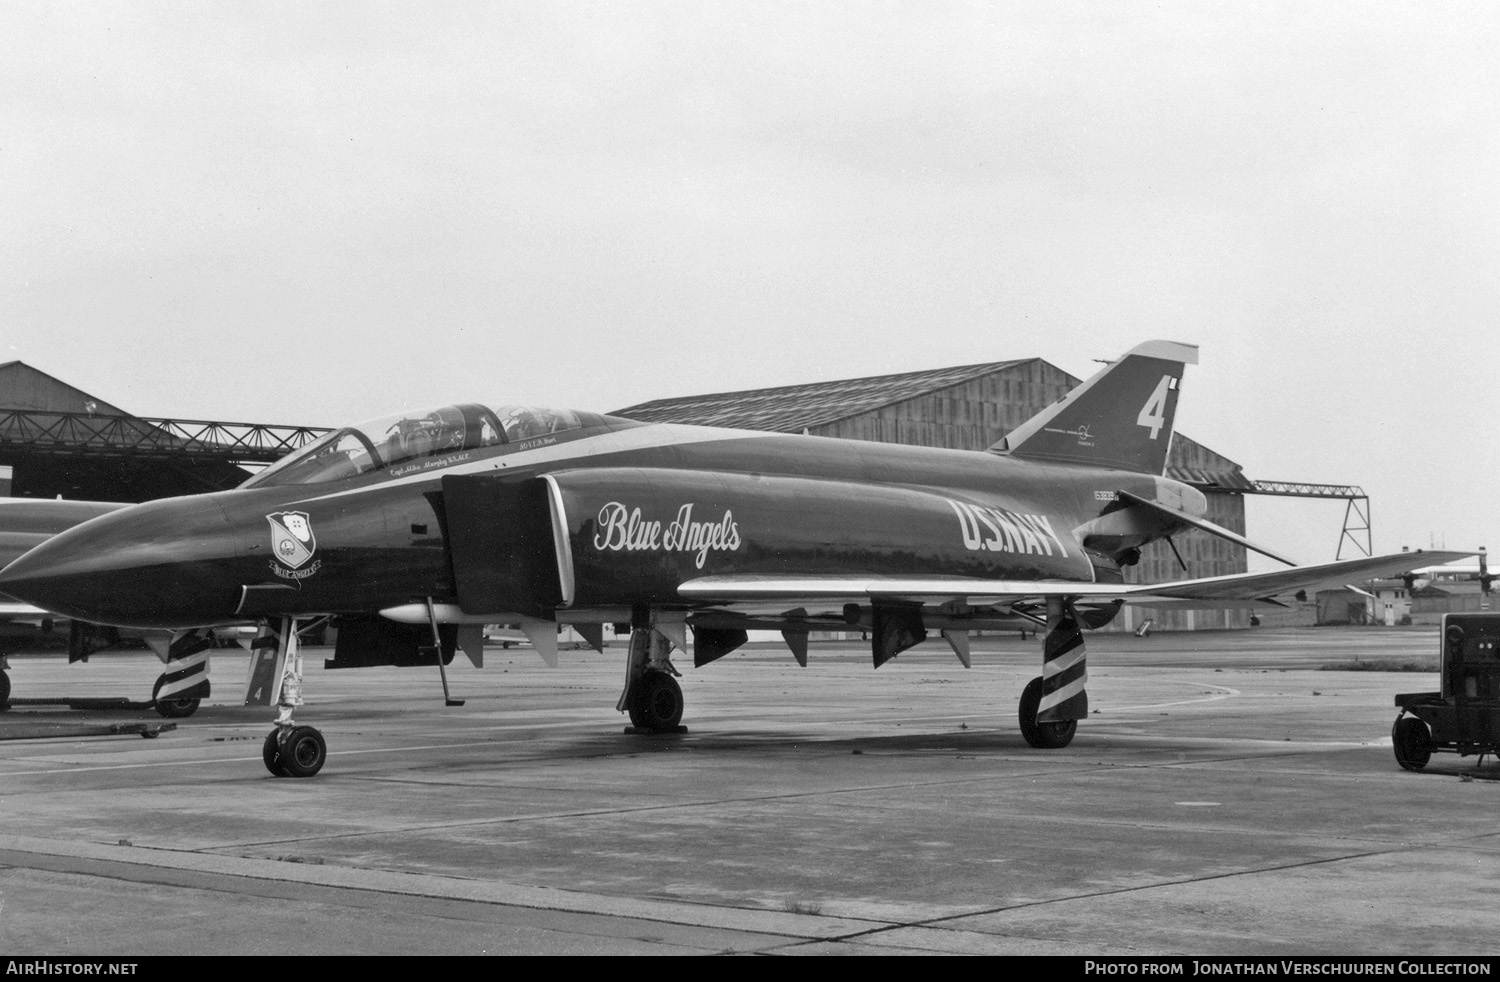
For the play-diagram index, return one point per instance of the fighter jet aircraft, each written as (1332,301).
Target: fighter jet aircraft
(417,529)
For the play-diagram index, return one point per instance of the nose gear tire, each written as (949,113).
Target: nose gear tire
(299,752)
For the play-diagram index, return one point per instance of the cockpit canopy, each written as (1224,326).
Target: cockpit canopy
(391,440)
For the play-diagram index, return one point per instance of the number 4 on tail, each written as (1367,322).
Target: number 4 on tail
(1154,414)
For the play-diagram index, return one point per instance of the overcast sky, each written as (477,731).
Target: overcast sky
(317,213)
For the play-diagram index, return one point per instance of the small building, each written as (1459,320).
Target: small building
(1392,602)
(1429,603)
(1343,607)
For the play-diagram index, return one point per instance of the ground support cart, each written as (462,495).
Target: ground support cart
(1464,717)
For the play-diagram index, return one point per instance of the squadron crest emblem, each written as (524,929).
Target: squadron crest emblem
(292,539)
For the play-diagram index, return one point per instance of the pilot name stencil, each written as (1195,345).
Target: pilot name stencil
(624,529)
(998,530)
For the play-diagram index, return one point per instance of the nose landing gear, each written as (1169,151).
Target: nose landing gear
(290,750)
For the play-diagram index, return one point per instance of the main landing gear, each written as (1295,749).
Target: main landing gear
(290,750)
(652,696)
(1042,736)
(1052,704)
(656,704)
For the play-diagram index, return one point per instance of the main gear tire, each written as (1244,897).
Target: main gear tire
(657,704)
(1042,736)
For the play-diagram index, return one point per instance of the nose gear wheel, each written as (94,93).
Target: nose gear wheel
(297,751)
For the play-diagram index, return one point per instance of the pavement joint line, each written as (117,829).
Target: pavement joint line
(934,922)
(743,919)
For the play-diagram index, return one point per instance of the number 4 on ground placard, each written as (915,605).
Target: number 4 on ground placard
(1154,414)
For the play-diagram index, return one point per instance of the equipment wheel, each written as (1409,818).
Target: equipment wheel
(658,703)
(173,708)
(270,752)
(4,692)
(1042,736)
(303,752)
(1412,742)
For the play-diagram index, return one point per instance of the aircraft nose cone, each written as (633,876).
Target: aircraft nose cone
(161,564)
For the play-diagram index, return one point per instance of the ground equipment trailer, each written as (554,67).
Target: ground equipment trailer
(1464,718)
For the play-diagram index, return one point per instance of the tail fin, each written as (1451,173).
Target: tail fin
(1121,418)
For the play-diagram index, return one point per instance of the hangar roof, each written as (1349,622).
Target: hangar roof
(793,408)
(24,387)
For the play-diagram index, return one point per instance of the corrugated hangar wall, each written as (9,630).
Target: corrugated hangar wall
(971,408)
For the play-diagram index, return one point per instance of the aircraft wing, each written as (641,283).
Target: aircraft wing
(1251,586)
(1233,590)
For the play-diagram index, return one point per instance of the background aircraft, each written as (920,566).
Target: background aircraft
(417,529)
(26,523)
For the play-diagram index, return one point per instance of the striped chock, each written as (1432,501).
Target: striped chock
(1064,669)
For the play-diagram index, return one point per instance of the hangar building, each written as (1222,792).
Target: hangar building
(57,440)
(970,407)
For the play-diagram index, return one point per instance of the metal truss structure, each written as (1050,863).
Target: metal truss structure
(96,436)
(1356,509)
